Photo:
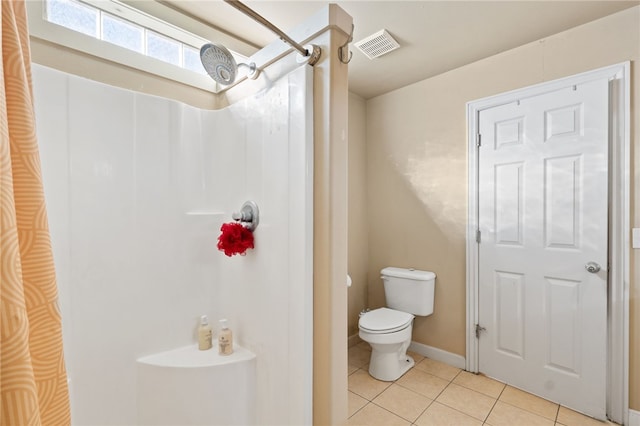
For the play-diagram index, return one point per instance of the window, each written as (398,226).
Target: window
(112,25)
(120,33)
(74,15)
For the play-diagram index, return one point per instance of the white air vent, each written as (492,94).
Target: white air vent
(377,44)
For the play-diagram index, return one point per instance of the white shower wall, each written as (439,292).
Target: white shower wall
(137,188)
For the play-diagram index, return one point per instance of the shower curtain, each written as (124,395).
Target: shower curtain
(32,373)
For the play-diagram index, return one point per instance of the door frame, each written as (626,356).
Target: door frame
(619,227)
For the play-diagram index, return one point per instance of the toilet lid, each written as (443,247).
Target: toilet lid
(384,320)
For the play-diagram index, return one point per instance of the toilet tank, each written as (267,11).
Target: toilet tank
(409,290)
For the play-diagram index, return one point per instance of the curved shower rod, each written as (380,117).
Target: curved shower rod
(313,55)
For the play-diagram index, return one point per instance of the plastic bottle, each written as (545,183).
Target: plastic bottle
(225,339)
(205,334)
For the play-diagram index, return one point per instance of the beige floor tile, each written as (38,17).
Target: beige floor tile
(504,414)
(372,415)
(359,356)
(356,402)
(466,400)
(572,418)
(529,402)
(441,415)
(479,383)
(355,341)
(351,369)
(424,383)
(403,402)
(437,368)
(363,384)
(416,356)
(364,346)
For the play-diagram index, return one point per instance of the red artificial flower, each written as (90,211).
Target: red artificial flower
(234,239)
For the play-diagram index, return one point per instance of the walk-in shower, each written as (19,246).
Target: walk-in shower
(160,178)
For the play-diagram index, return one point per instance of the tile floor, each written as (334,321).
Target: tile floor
(433,393)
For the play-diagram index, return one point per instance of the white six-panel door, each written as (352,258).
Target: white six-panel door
(542,208)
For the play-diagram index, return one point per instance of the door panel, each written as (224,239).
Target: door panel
(542,212)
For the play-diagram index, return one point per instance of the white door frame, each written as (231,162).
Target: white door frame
(619,229)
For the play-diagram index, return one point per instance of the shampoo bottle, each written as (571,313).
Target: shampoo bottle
(205,334)
(225,339)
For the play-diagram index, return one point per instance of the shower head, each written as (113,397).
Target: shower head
(220,64)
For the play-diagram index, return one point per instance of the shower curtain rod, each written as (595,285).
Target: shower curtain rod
(313,56)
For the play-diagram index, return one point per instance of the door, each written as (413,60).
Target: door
(542,207)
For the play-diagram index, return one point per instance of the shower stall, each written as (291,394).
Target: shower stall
(137,188)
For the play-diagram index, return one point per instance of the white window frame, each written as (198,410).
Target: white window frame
(41,28)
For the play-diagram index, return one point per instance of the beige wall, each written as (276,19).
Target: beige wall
(417,167)
(358,241)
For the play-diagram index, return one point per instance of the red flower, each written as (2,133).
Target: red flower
(234,239)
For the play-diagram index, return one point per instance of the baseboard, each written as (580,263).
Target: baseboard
(452,359)
(634,418)
(353,340)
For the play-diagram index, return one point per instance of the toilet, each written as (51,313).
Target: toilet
(409,292)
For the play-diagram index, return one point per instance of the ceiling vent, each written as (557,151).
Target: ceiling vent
(377,44)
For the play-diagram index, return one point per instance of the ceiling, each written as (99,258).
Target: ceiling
(435,36)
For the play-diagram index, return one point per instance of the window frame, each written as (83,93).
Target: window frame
(41,28)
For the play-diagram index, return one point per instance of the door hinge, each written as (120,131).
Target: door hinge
(478,330)
(478,140)
(478,236)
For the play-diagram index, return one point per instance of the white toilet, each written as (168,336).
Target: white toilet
(388,330)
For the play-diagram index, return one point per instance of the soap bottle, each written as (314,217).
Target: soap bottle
(225,339)
(205,334)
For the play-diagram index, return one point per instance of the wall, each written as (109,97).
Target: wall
(417,170)
(358,216)
(137,188)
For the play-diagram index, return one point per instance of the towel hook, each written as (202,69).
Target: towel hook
(248,216)
(346,58)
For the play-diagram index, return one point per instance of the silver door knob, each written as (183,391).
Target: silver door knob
(592,267)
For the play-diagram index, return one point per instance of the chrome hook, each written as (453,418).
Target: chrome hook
(341,54)
(248,216)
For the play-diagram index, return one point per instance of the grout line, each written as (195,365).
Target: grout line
(467,414)
(361,408)
(531,412)
(457,374)
(557,414)
(461,412)
(389,411)
(494,404)
(425,409)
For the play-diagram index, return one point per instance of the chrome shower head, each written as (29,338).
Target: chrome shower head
(220,64)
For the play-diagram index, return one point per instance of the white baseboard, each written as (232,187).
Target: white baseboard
(634,418)
(452,359)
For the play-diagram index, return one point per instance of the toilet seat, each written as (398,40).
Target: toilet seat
(384,320)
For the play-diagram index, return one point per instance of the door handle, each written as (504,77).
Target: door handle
(592,267)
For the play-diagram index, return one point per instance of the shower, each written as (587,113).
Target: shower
(220,63)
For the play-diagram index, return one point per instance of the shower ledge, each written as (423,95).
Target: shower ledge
(189,387)
(191,357)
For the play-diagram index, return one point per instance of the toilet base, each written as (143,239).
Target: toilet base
(387,367)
